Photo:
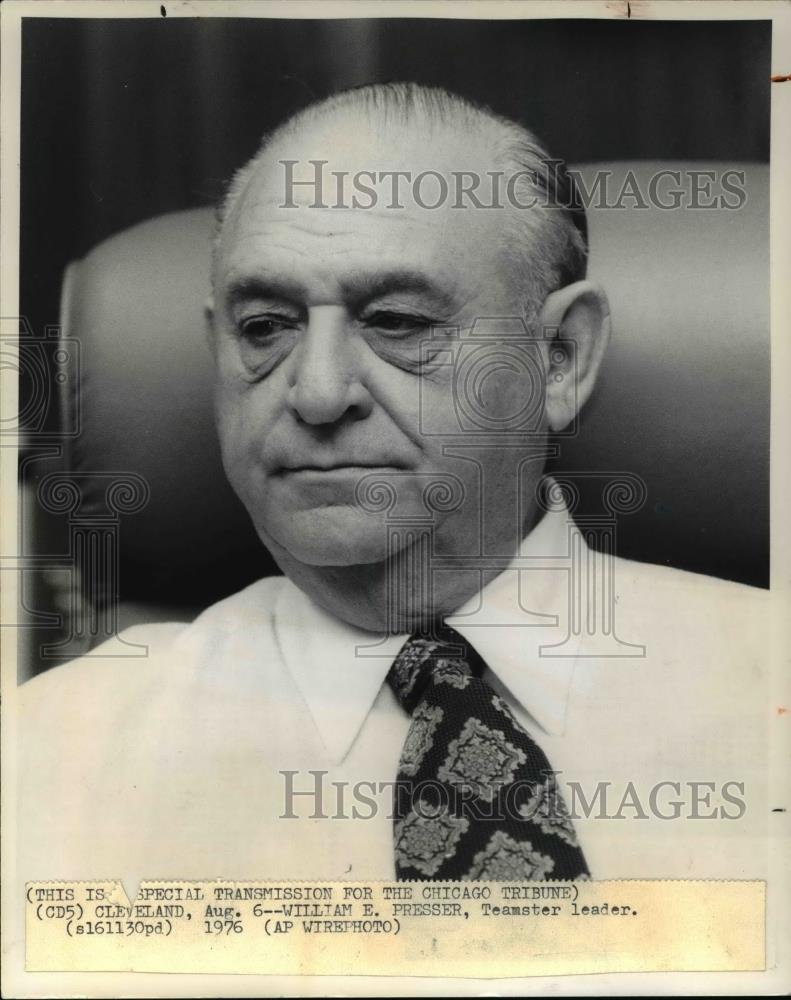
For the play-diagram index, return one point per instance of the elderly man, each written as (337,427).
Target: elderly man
(409,699)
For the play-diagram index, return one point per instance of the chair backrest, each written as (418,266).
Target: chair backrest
(683,400)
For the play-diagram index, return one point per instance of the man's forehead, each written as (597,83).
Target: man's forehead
(330,248)
(356,144)
(305,205)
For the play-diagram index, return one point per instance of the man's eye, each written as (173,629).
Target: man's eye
(261,328)
(394,322)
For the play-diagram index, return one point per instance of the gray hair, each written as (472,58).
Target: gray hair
(555,251)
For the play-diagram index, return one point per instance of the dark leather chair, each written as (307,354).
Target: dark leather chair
(682,403)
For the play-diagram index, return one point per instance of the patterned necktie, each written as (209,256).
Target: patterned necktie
(476,797)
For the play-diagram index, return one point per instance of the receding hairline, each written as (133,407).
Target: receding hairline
(557,245)
(350,105)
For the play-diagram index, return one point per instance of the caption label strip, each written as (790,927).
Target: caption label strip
(484,929)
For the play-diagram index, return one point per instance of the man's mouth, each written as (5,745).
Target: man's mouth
(340,466)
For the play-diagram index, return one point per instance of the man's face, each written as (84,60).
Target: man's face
(329,370)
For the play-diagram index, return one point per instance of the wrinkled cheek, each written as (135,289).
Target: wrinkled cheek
(240,436)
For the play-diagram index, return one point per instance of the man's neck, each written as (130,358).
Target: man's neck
(400,594)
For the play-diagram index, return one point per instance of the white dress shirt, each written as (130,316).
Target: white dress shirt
(170,765)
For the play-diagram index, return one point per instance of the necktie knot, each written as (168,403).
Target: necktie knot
(438,655)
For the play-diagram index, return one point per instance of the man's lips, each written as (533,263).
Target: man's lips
(336,466)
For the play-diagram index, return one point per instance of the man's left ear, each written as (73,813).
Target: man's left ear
(575,321)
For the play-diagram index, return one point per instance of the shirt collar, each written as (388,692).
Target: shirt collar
(519,622)
(339,669)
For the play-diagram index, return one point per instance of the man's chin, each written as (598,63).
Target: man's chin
(329,536)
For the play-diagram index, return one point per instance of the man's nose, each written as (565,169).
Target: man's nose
(324,380)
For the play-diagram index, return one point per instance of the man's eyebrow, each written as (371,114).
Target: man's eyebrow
(241,289)
(357,287)
(365,286)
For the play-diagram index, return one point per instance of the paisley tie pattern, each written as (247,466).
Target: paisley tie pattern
(476,797)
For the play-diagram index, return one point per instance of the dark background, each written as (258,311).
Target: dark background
(125,119)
